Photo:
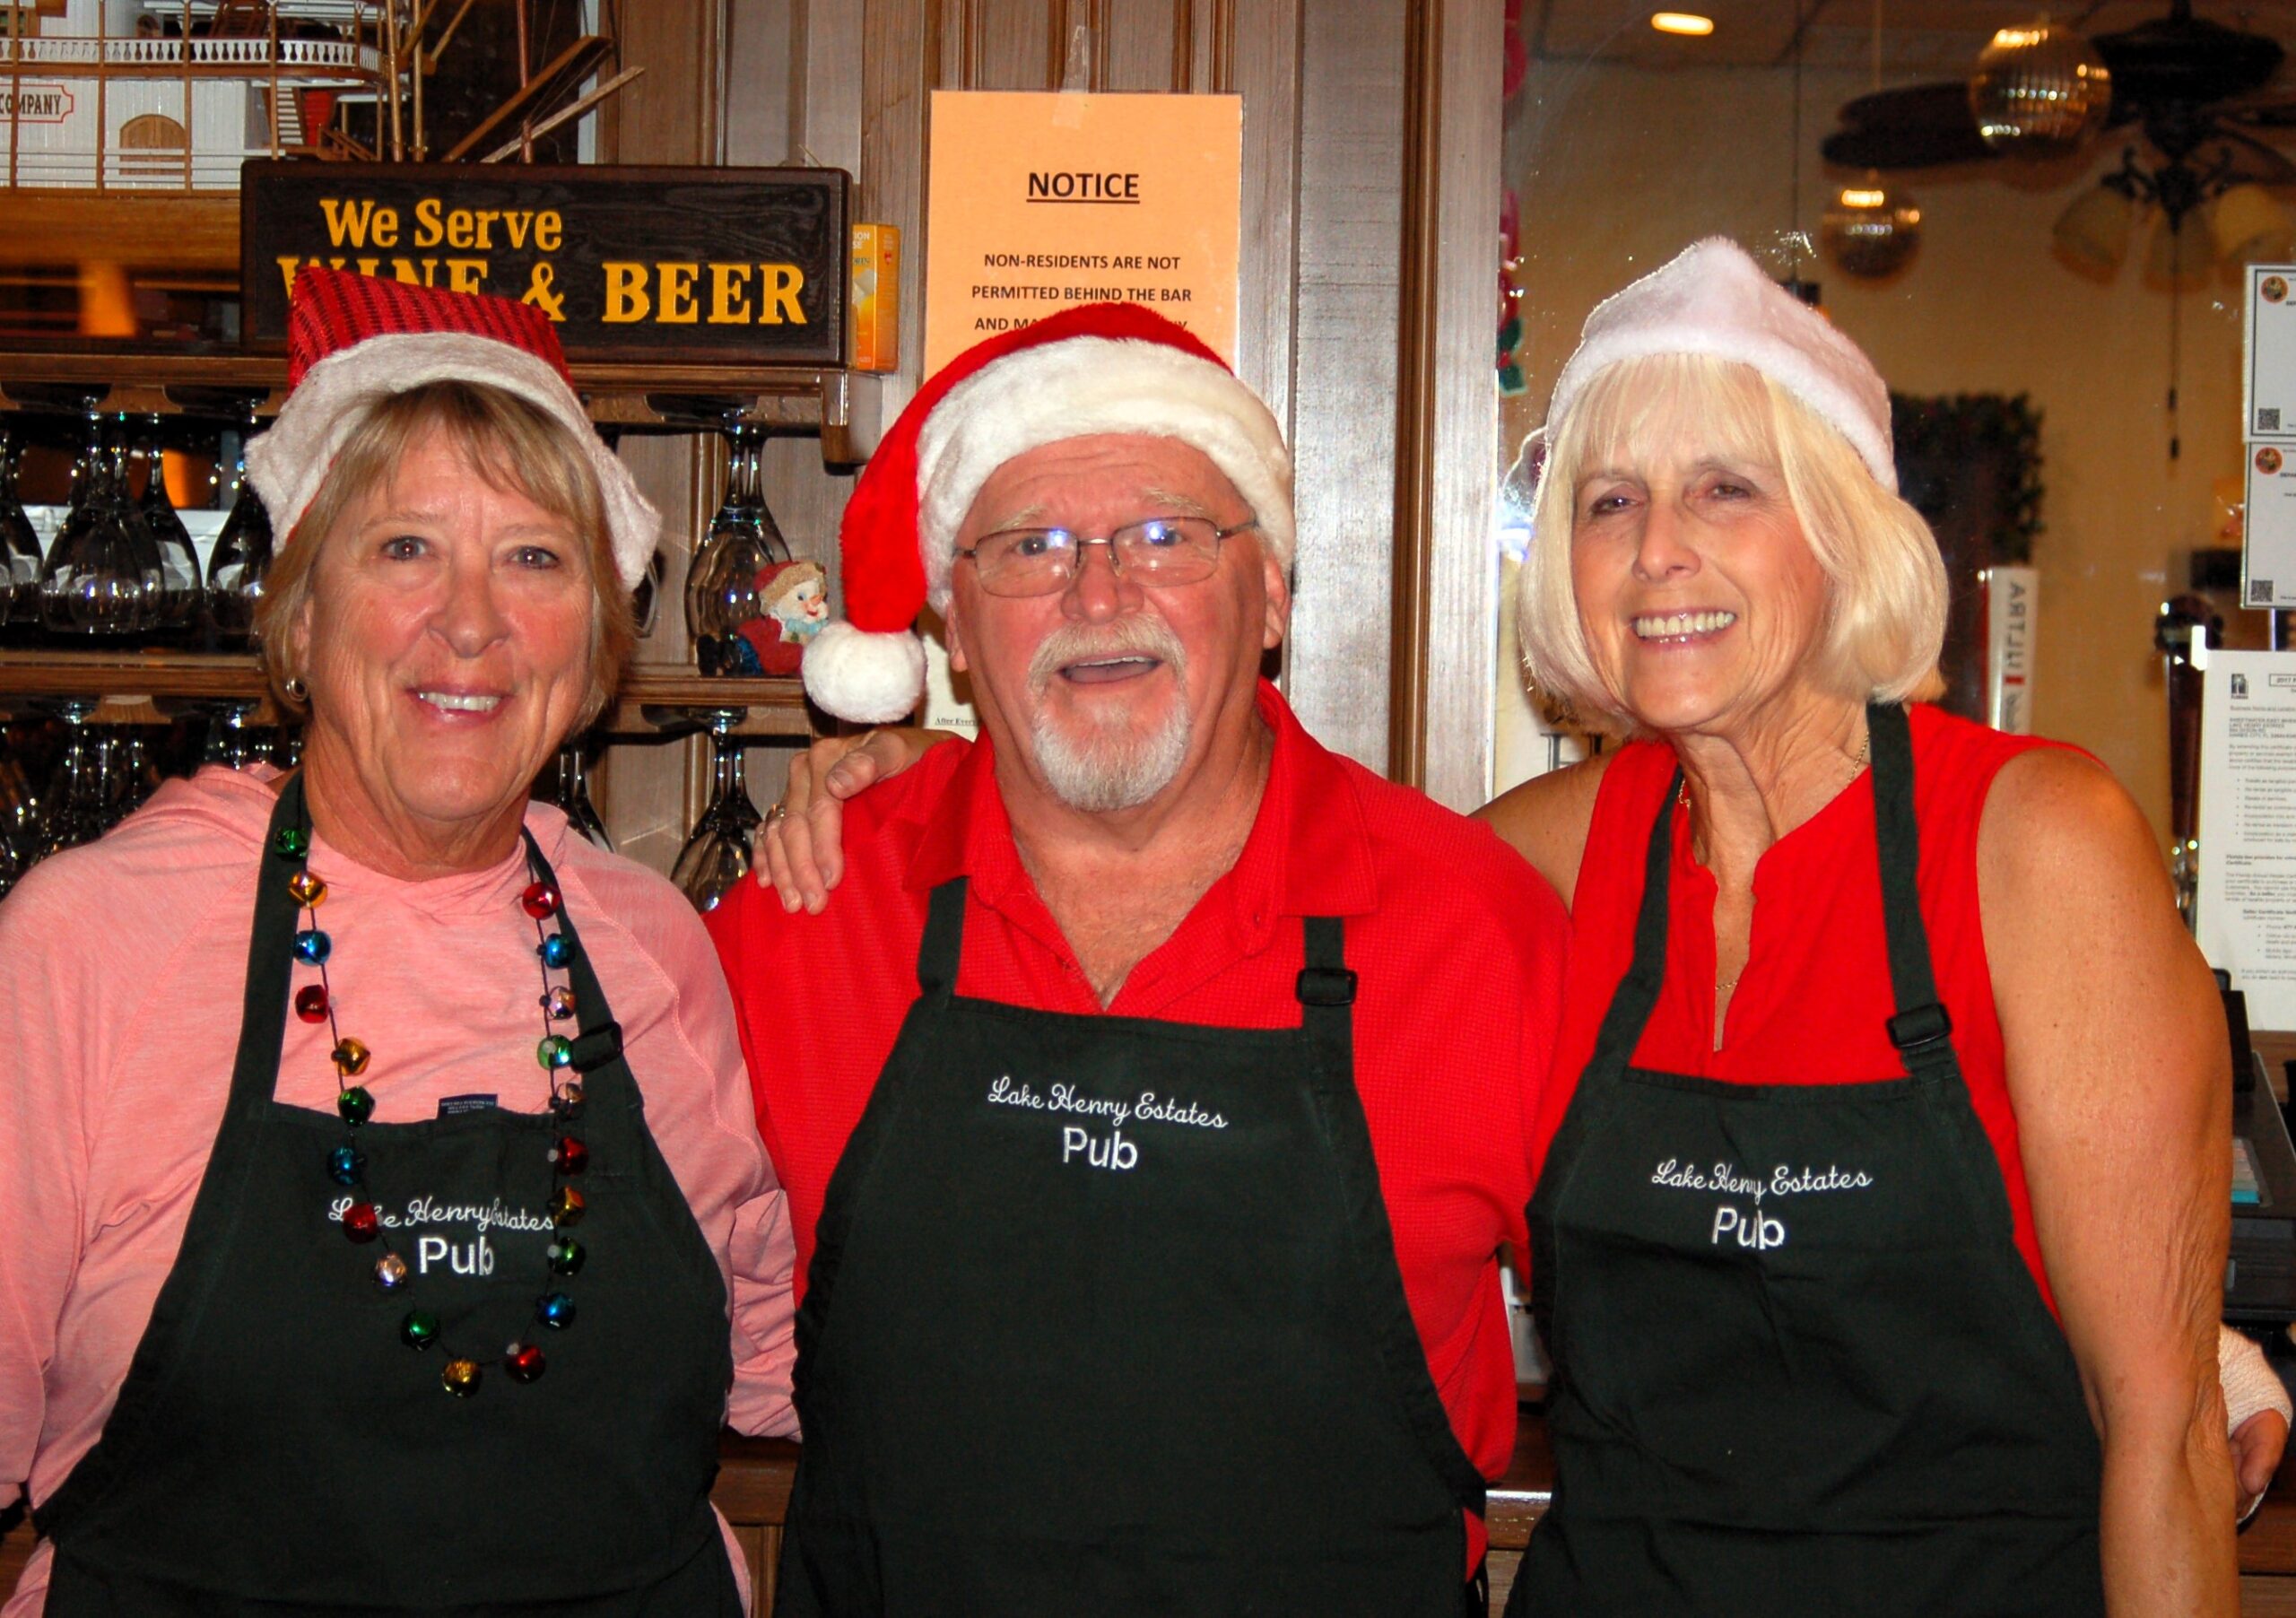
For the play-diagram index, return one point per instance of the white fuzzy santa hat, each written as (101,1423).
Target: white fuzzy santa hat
(1711,299)
(1102,367)
(354,339)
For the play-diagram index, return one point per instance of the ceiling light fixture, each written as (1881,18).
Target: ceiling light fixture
(1688,25)
(1872,231)
(2039,92)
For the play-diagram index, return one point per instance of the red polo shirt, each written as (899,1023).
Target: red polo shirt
(1457,945)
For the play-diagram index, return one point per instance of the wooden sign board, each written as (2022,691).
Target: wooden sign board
(683,265)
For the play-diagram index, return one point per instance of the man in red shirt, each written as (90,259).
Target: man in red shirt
(1154,1100)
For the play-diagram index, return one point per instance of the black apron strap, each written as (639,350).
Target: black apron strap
(1645,974)
(599,1040)
(1327,993)
(944,941)
(271,954)
(1921,1030)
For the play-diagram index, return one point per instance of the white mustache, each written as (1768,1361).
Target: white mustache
(1134,635)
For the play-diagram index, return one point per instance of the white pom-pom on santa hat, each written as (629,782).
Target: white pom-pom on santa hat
(1103,368)
(1712,299)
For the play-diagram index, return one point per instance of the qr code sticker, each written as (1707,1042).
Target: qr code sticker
(2261,593)
(2268,419)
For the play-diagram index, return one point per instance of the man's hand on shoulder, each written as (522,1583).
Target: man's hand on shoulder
(801,848)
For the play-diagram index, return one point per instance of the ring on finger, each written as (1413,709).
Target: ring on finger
(777,814)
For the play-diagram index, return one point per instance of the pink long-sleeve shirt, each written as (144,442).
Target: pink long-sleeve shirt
(122,970)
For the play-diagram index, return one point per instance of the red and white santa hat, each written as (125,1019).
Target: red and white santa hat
(1101,367)
(352,340)
(1712,299)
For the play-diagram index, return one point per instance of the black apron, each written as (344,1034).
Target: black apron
(276,1449)
(1054,1359)
(1842,1396)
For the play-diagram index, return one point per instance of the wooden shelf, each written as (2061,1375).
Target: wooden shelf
(152,688)
(143,380)
(134,227)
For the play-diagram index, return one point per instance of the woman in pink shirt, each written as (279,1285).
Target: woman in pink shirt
(374,1239)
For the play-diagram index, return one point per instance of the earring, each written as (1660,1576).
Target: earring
(297,692)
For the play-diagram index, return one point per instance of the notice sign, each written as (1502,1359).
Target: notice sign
(2246,917)
(2268,528)
(2269,383)
(1037,203)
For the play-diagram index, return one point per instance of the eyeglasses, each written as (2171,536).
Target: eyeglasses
(1154,551)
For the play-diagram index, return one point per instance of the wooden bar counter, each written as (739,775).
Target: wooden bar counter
(754,1493)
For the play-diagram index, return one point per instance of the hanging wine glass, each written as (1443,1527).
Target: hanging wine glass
(103,572)
(233,740)
(14,860)
(721,588)
(242,553)
(180,591)
(18,542)
(716,859)
(129,778)
(573,795)
(646,600)
(19,824)
(75,797)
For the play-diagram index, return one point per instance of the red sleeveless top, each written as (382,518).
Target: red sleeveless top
(1811,1003)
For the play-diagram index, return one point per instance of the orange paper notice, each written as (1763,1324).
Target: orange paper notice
(1037,203)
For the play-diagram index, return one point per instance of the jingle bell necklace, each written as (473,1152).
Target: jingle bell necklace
(346,1165)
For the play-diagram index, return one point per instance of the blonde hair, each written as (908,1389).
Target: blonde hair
(515,446)
(1887,596)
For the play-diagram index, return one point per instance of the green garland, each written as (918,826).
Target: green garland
(1944,430)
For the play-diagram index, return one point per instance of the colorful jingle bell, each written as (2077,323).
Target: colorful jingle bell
(523,1363)
(310,1003)
(350,1057)
(354,1106)
(309,892)
(566,1256)
(569,1155)
(346,1165)
(460,1377)
(566,1206)
(555,1310)
(362,1222)
(566,1100)
(559,1003)
(419,1329)
(555,1051)
(312,946)
(291,843)
(390,1272)
(554,950)
(539,899)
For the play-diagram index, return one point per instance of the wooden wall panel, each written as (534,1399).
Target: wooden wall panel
(1138,48)
(1252,48)
(1343,418)
(1446,655)
(1005,44)
(649,792)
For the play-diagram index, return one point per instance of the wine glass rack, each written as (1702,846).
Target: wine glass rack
(150,687)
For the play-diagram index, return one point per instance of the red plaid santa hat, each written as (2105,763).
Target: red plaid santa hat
(352,340)
(1102,367)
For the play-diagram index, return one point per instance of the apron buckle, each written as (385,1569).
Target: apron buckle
(1326,985)
(1923,1026)
(597,1048)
